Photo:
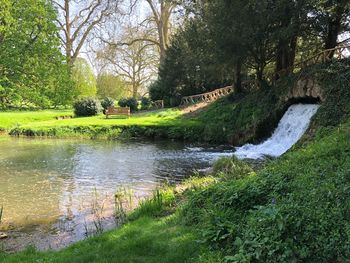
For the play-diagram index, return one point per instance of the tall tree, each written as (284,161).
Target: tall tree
(191,65)
(77,19)
(84,78)
(109,85)
(332,19)
(135,63)
(32,68)
(290,17)
(161,16)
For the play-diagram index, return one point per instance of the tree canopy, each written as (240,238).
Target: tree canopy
(32,68)
(202,44)
(236,40)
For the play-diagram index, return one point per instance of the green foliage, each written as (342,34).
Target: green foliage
(33,72)
(146,240)
(294,210)
(86,107)
(156,91)
(334,77)
(106,103)
(109,85)
(129,102)
(84,78)
(160,204)
(231,168)
(146,103)
(189,66)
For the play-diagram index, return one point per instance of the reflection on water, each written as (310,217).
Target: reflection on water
(47,186)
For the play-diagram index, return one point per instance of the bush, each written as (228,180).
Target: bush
(231,167)
(146,103)
(86,107)
(129,102)
(106,103)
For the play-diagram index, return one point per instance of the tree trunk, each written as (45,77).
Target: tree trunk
(134,90)
(238,77)
(286,57)
(334,28)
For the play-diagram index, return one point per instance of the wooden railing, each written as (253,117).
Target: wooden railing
(324,56)
(208,96)
(158,104)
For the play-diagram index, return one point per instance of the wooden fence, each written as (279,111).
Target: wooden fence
(208,96)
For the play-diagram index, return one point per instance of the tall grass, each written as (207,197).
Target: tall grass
(123,200)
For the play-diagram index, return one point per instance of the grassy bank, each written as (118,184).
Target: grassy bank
(167,123)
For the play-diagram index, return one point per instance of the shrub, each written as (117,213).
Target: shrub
(129,102)
(106,103)
(231,167)
(86,107)
(145,103)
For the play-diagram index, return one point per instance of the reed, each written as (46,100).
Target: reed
(123,200)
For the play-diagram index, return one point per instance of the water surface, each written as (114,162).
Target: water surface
(50,189)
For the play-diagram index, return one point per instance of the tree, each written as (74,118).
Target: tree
(331,20)
(84,78)
(32,68)
(136,63)
(109,85)
(162,11)
(77,25)
(190,65)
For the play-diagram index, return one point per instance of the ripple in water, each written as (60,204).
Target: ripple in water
(48,187)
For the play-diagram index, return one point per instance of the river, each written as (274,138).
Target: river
(54,191)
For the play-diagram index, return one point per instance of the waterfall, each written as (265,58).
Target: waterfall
(290,129)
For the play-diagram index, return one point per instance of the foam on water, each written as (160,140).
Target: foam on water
(290,129)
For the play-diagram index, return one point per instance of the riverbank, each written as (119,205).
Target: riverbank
(167,123)
(294,209)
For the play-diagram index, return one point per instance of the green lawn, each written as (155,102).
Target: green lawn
(47,119)
(10,119)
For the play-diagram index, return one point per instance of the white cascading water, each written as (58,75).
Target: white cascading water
(290,129)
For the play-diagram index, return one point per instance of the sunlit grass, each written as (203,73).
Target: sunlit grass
(47,119)
(10,119)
